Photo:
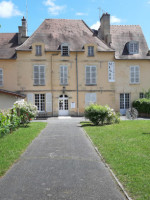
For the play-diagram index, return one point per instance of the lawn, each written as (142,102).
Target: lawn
(13,145)
(126,148)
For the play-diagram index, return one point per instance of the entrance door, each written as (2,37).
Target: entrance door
(124,102)
(63,105)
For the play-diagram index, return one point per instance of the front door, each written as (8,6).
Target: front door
(63,105)
(124,102)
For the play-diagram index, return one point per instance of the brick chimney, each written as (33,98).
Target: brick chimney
(104,30)
(22,34)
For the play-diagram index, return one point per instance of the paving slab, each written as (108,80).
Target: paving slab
(60,164)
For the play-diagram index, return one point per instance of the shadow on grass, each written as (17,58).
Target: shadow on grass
(146,133)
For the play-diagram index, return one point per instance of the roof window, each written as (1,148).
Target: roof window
(64,50)
(133,47)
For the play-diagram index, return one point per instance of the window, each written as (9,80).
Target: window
(90,73)
(90,51)
(1,77)
(90,98)
(134,74)
(133,47)
(111,71)
(38,50)
(39,75)
(63,75)
(141,95)
(40,102)
(64,50)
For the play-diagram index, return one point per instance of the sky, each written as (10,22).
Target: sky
(129,12)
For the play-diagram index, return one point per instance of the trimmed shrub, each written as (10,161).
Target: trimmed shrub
(98,114)
(142,105)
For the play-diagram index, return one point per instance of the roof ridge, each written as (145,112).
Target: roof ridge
(127,25)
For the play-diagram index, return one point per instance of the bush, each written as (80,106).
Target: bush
(98,114)
(142,105)
(21,113)
(25,111)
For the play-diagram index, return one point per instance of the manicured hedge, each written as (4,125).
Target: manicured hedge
(142,105)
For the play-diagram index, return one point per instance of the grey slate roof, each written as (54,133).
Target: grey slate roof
(54,32)
(122,34)
(8,43)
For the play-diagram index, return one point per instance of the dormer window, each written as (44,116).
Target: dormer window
(133,47)
(38,50)
(90,51)
(64,50)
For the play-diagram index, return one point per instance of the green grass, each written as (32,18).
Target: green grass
(13,145)
(126,148)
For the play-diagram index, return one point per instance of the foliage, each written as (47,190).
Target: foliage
(125,147)
(25,111)
(142,105)
(147,94)
(98,114)
(21,113)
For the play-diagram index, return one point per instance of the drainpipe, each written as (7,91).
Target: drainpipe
(52,77)
(77,83)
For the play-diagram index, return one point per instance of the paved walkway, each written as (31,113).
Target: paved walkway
(60,164)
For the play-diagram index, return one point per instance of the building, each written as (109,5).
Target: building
(64,65)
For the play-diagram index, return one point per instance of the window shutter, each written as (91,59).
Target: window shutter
(36,75)
(93,98)
(87,99)
(42,75)
(48,102)
(93,74)
(87,74)
(137,74)
(65,75)
(90,98)
(134,74)
(111,71)
(30,98)
(1,77)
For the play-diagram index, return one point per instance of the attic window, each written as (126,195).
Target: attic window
(64,50)
(133,47)
(38,50)
(90,51)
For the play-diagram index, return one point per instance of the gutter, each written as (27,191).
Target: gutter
(77,83)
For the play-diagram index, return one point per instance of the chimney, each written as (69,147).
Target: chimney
(22,34)
(104,30)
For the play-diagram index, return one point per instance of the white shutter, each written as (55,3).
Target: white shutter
(93,98)
(48,102)
(134,74)
(30,98)
(36,75)
(63,75)
(93,74)
(111,71)
(137,74)
(87,74)
(87,99)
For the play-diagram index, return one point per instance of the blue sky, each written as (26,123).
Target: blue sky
(135,12)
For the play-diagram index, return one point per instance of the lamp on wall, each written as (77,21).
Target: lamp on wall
(64,88)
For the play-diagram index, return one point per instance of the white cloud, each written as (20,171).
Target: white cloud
(53,8)
(95,26)
(114,19)
(8,9)
(80,14)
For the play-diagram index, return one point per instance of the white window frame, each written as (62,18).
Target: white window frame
(39,101)
(111,71)
(65,50)
(133,47)
(39,74)
(38,50)
(1,77)
(63,75)
(91,51)
(134,74)
(91,82)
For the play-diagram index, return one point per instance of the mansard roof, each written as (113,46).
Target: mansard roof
(54,32)
(8,43)
(122,35)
